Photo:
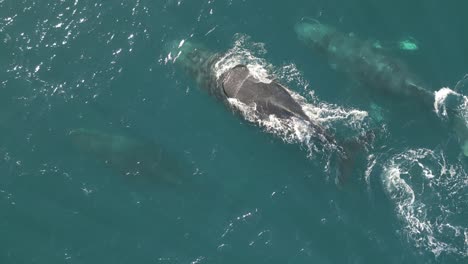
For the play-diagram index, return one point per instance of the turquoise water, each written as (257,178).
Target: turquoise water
(245,195)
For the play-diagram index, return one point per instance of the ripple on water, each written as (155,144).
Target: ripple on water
(69,48)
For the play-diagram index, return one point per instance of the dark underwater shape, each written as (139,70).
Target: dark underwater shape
(363,61)
(128,155)
(376,71)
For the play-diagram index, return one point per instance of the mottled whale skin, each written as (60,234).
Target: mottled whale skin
(128,155)
(368,65)
(362,61)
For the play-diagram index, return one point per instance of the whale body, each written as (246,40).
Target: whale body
(239,83)
(362,61)
(269,98)
(376,71)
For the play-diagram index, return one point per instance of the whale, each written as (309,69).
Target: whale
(269,98)
(127,155)
(362,61)
(368,65)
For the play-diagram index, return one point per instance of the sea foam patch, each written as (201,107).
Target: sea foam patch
(446,99)
(453,106)
(429,195)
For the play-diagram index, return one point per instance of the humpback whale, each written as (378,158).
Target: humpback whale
(376,71)
(269,98)
(128,155)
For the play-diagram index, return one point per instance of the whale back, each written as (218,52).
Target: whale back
(269,98)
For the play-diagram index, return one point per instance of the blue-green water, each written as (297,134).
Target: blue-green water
(246,196)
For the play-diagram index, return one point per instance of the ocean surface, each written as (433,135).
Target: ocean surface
(87,87)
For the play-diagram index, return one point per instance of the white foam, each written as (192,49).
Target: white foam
(428,194)
(458,114)
(371,162)
(440,97)
(292,130)
(330,113)
(291,75)
(181,43)
(242,54)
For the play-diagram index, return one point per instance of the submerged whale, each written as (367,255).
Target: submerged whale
(362,61)
(269,98)
(376,71)
(128,155)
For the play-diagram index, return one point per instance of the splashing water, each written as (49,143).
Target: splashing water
(427,191)
(449,104)
(244,52)
(444,96)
